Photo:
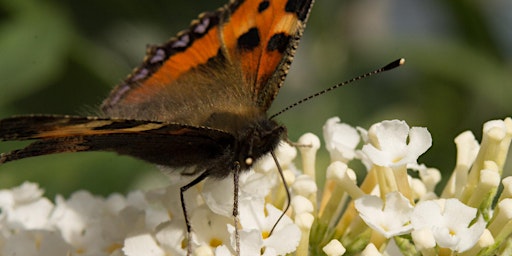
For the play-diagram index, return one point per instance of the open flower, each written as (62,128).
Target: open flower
(391,218)
(24,208)
(450,223)
(392,143)
(341,140)
(255,235)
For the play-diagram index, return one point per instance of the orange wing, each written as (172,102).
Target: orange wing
(234,58)
(263,36)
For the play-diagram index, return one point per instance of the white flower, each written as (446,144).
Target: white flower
(85,222)
(340,140)
(171,236)
(255,237)
(391,219)
(219,194)
(449,223)
(392,143)
(142,245)
(24,208)
(35,243)
(210,228)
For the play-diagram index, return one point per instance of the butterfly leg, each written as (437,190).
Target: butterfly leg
(183,189)
(236,183)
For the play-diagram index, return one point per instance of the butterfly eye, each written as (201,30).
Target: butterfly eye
(249,161)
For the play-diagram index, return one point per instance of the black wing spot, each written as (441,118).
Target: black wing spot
(299,7)
(279,42)
(249,40)
(263,6)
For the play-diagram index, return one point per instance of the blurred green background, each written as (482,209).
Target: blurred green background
(63,57)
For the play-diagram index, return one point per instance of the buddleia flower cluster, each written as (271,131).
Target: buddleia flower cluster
(393,209)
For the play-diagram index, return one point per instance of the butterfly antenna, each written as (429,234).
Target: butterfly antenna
(390,66)
(288,196)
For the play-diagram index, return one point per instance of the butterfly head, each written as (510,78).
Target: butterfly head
(257,140)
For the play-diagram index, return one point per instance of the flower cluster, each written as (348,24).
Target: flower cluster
(393,210)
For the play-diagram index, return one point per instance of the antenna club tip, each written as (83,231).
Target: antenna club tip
(395,64)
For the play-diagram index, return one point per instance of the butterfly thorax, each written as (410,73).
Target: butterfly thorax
(253,139)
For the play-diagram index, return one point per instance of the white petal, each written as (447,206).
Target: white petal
(219,195)
(252,214)
(142,245)
(35,242)
(256,184)
(388,143)
(376,156)
(222,250)
(444,237)
(426,214)
(269,251)
(27,192)
(170,236)
(203,250)
(285,240)
(420,141)
(423,238)
(115,203)
(389,135)
(20,244)
(209,226)
(250,242)
(449,224)
(34,215)
(392,220)
(340,140)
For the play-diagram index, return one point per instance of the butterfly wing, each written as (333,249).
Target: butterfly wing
(223,73)
(232,60)
(156,142)
(263,36)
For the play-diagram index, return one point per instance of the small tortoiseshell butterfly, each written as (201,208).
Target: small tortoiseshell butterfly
(198,101)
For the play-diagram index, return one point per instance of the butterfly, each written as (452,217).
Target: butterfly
(197,103)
